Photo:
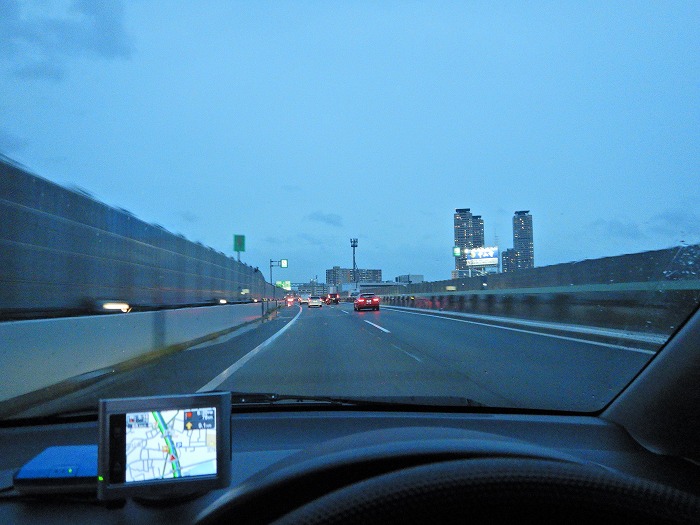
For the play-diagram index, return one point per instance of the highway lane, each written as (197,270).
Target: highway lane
(338,352)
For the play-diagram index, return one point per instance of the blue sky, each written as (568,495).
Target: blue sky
(303,124)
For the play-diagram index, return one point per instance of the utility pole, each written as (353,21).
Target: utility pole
(282,263)
(353,244)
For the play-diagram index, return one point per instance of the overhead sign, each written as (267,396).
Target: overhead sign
(239,243)
(284,263)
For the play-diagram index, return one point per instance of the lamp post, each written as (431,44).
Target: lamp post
(282,263)
(353,245)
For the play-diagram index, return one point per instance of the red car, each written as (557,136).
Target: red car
(366,301)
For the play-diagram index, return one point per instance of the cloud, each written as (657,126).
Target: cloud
(331,219)
(310,239)
(189,217)
(670,227)
(39,39)
(10,143)
(41,70)
(673,223)
(617,229)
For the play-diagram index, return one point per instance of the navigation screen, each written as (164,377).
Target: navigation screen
(170,444)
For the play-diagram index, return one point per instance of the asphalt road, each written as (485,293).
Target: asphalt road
(334,351)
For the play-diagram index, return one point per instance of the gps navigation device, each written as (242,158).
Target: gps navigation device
(163,447)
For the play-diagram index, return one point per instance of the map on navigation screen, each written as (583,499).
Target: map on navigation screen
(170,444)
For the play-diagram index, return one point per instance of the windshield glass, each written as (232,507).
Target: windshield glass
(498,204)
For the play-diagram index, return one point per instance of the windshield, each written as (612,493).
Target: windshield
(498,204)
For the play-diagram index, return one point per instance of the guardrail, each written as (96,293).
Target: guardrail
(46,356)
(649,307)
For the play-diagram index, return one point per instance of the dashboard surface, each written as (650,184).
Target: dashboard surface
(263,440)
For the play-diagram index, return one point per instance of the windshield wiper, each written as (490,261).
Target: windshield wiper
(397,402)
(269,398)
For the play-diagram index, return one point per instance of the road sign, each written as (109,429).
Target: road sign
(239,243)
(456,251)
(286,285)
(284,263)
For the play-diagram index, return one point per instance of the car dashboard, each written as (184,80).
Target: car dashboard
(281,459)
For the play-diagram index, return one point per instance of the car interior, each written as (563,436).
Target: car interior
(637,460)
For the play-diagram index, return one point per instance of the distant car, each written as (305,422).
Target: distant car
(304,299)
(315,300)
(290,301)
(366,301)
(333,298)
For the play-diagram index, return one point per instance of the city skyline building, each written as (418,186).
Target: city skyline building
(523,240)
(410,278)
(508,261)
(468,234)
(313,287)
(338,276)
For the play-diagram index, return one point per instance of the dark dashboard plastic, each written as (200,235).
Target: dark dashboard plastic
(264,444)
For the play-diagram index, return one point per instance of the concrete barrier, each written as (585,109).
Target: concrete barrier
(37,354)
(658,308)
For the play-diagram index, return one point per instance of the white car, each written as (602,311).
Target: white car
(315,300)
(304,299)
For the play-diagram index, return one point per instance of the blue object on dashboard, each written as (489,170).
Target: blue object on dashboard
(59,470)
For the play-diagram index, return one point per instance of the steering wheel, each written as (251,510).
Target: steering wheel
(424,475)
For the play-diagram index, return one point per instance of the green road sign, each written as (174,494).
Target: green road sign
(286,285)
(239,243)
(456,251)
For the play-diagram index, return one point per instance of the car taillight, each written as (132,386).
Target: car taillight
(375,300)
(360,300)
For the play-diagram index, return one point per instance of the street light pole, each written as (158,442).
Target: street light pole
(353,244)
(274,290)
(282,263)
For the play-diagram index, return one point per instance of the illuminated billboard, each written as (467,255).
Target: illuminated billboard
(486,256)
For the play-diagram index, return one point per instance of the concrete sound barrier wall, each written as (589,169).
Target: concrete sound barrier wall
(39,353)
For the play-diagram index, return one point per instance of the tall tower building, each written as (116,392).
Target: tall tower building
(508,261)
(477,231)
(522,240)
(469,233)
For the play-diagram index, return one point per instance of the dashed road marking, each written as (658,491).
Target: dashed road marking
(377,326)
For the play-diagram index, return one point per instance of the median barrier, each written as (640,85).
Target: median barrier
(38,354)
(651,308)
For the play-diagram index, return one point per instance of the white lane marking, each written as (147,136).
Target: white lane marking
(608,345)
(657,339)
(345,312)
(377,326)
(409,354)
(223,376)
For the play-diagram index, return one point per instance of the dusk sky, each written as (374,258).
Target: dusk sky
(303,124)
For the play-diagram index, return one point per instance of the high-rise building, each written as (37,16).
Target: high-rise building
(469,233)
(523,240)
(508,261)
(478,231)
